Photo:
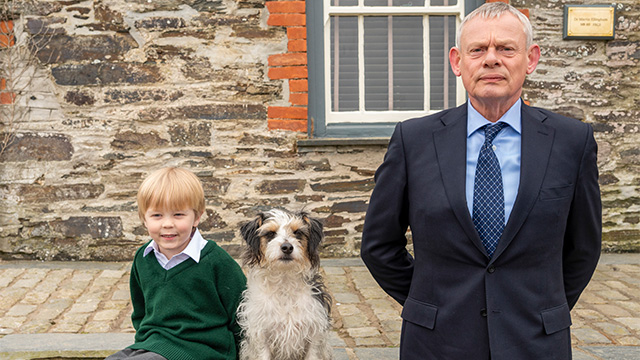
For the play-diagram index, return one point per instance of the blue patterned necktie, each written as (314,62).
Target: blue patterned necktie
(488,195)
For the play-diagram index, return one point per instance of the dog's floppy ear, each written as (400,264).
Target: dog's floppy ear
(249,233)
(315,238)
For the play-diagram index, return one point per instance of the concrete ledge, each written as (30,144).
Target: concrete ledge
(98,346)
(57,355)
(619,259)
(609,352)
(64,346)
(54,346)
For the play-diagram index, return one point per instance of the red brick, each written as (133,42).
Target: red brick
(296,33)
(288,59)
(299,99)
(297,45)
(7,98)
(7,37)
(281,112)
(288,72)
(298,85)
(287,20)
(7,41)
(292,125)
(525,12)
(6,27)
(285,7)
(3,84)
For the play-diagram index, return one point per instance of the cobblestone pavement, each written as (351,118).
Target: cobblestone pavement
(44,306)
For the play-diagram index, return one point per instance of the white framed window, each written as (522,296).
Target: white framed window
(380,62)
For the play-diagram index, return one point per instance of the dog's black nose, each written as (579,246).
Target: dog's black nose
(286,248)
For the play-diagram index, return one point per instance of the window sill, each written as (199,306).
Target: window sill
(332,144)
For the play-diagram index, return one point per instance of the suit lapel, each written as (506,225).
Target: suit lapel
(451,152)
(537,140)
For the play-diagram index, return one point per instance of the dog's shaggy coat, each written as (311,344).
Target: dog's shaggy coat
(284,313)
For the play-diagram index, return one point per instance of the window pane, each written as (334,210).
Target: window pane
(344,2)
(394,2)
(408,63)
(376,63)
(344,63)
(443,82)
(393,82)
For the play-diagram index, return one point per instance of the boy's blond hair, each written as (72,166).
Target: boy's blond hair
(171,188)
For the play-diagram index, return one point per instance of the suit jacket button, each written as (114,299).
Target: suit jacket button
(483,312)
(491,269)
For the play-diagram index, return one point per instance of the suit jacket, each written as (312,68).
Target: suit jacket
(458,302)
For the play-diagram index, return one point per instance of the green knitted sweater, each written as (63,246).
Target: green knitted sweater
(187,312)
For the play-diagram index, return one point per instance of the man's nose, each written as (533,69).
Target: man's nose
(491,58)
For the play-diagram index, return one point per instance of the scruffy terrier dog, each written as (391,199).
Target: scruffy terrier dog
(284,313)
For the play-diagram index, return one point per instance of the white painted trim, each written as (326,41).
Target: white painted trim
(351,117)
(362,116)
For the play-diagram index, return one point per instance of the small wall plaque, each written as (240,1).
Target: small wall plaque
(589,22)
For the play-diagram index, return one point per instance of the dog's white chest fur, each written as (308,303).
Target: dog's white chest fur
(281,313)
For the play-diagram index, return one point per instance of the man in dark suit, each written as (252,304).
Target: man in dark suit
(506,228)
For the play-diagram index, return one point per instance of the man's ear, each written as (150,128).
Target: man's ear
(533,56)
(454,60)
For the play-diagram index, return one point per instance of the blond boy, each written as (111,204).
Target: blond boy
(184,289)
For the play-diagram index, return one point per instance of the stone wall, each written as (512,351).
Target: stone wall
(219,87)
(132,86)
(597,81)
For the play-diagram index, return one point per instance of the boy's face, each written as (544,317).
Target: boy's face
(171,229)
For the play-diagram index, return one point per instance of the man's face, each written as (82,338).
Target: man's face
(493,59)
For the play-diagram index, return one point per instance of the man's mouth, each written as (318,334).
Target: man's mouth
(492,78)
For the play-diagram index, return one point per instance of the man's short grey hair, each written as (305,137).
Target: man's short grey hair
(495,10)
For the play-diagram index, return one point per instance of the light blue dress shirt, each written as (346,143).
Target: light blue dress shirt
(506,147)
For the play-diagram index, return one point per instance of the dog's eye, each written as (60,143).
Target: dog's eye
(270,235)
(298,233)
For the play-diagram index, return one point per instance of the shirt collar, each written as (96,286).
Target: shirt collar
(512,117)
(192,250)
